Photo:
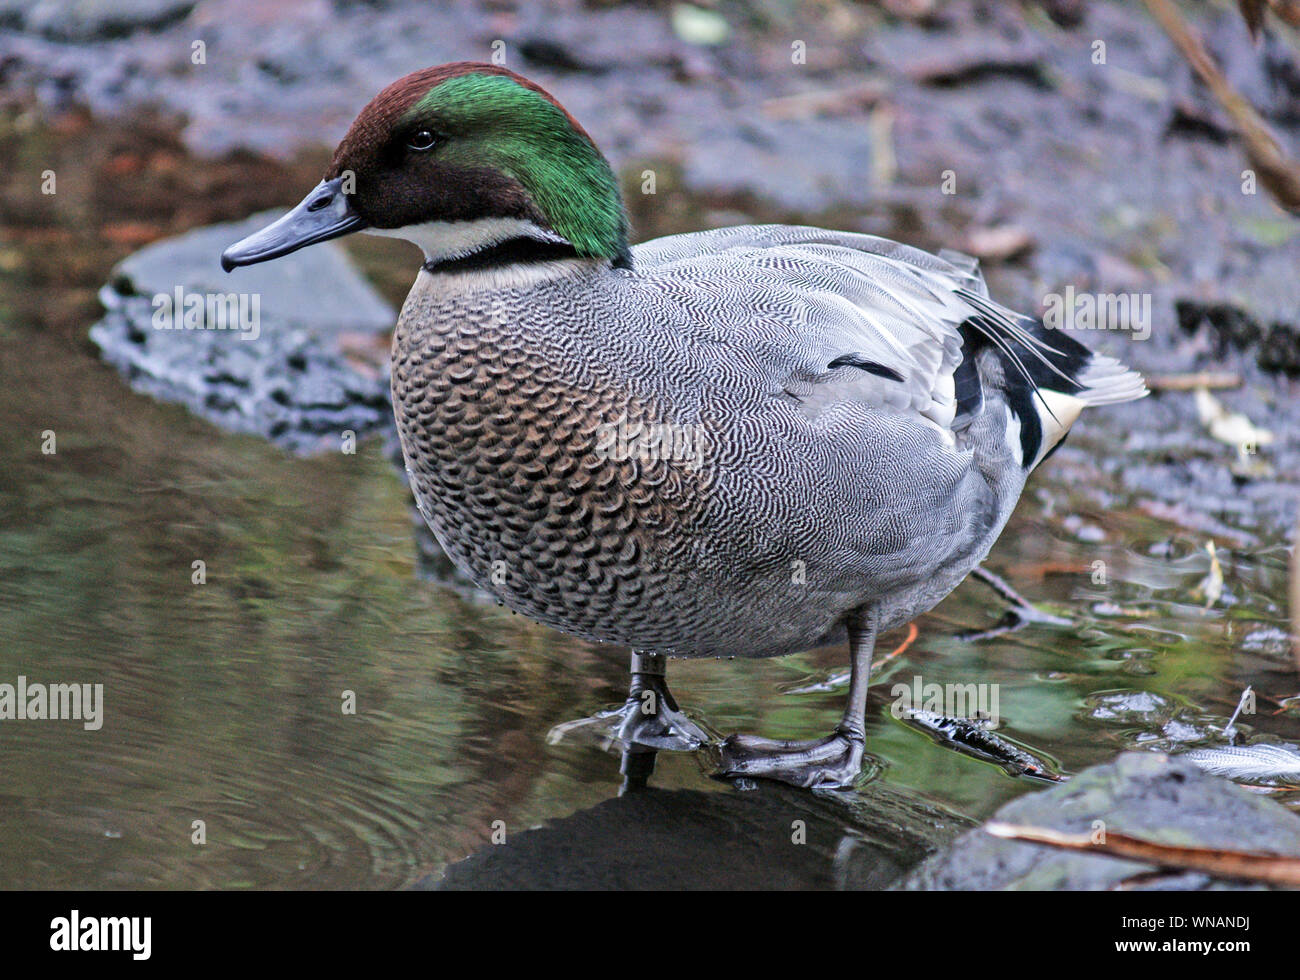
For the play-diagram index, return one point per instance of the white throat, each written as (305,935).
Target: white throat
(442,241)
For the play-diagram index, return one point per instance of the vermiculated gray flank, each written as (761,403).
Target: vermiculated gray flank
(818,490)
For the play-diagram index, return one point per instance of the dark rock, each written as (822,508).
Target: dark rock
(261,355)
(547,53)
(1066,13)
(1198,121)
(1143,794)
(92,20)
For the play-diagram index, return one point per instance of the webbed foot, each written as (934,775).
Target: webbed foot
(834,762)
(649,718)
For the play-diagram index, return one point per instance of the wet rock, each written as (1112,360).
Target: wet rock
(1128,706)
(92,20)
(555,55)
(1276,344)
(1267,639)
(1143,794)
(253,351)
(973,66)
(1066,13)
(772,837)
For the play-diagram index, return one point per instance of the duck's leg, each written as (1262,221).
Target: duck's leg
(829,763)
(650,717)
(637,767)
(1021,613)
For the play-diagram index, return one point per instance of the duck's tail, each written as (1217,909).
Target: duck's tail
(1048,377)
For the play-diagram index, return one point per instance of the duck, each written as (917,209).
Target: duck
(743,442)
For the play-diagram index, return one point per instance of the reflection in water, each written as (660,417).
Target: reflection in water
(771,837)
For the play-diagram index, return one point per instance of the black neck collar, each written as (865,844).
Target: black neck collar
(512,251)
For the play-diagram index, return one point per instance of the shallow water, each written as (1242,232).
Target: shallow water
(224,700)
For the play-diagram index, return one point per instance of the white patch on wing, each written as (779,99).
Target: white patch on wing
(444,240)
(1013,437)
(943,405)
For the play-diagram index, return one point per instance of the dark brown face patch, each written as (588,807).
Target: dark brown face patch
(396,186)
(467,142)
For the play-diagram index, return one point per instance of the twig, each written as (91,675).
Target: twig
(1021,607)
(830,102)
(1190,382)
(1277,869)
(1276,172)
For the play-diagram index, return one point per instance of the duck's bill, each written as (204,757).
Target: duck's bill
(325,213)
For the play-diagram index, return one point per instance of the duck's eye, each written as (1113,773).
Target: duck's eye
(421,141)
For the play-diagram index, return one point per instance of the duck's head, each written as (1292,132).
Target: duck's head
(467,160)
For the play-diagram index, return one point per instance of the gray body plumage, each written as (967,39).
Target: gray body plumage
(794,493)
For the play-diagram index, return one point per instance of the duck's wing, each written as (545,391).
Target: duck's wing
(962,269)
(840,317)
(845,316)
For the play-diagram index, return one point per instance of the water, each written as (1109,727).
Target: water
(224,701)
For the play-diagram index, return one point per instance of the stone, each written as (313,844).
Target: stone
(254,351)
(1142,794)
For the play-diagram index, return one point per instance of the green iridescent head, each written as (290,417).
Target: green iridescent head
(462,158)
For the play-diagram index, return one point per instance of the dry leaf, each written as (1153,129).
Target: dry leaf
(1232,428)
(998,243)
(1211,587)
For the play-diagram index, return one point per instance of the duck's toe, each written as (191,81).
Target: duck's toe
(652,723)
(834,762)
